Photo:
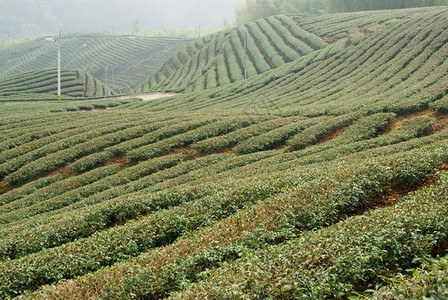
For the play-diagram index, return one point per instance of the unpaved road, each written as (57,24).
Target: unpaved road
(152,96)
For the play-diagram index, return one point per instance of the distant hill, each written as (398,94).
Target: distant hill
(120,61)
(29,18)
(42,85)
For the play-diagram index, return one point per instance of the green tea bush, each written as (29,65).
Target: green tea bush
(306,203)
(428,282)
(272,138)
(384,241)
(441,105)
(315,133)
(89,162)
(38,199)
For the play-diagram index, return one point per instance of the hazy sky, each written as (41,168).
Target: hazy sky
(157,14)
(34,17)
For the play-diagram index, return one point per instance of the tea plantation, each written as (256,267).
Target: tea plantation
(42,85)
(121,62)
(324,176)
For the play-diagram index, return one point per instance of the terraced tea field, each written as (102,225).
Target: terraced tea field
(278,41)
(42,85)
(323,178)
(121,62)
(220,59)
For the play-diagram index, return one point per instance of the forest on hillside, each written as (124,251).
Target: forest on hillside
(251,10)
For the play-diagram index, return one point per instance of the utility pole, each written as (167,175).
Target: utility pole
(59,68)
(107,75)
(245,59)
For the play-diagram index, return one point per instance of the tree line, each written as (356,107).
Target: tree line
(255,9)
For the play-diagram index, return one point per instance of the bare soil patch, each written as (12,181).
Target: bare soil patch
(441,122)
(64,172)
(398,121)
(4,187)
(189,153)
(228,150)
(120,160)
(283,146)
(333,134)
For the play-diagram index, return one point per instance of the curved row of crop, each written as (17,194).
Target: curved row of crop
(43,83)
(270,43)
(179,196)
(255,228)
(309,78)
(120,59)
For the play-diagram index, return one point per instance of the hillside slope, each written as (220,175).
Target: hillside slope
(398,65)
(220,59)
(324,180)
(120,61)
(42,85)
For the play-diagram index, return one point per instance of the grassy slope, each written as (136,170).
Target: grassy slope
(310,181)
(118,61)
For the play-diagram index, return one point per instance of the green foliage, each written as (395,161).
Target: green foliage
(321,178)
(42,85)
(315,133)
(89,162)
(69,150)
(441,105)
(307,201)
(37,203)
(209,130)
(28,189)
(257,9)
(156,230)
(368,127)
(119,61)
(357,250)
(221,56)
(273,138)
(226,140)
(429,281)
(78,223)
(351,5)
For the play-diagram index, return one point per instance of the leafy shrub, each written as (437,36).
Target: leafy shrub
(272,138)
(383,240)
(428,282)
(89,162)
(314,133)
(441,105)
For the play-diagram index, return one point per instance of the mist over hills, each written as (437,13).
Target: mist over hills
(23,18)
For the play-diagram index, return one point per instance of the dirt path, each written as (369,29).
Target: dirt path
(153,96)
